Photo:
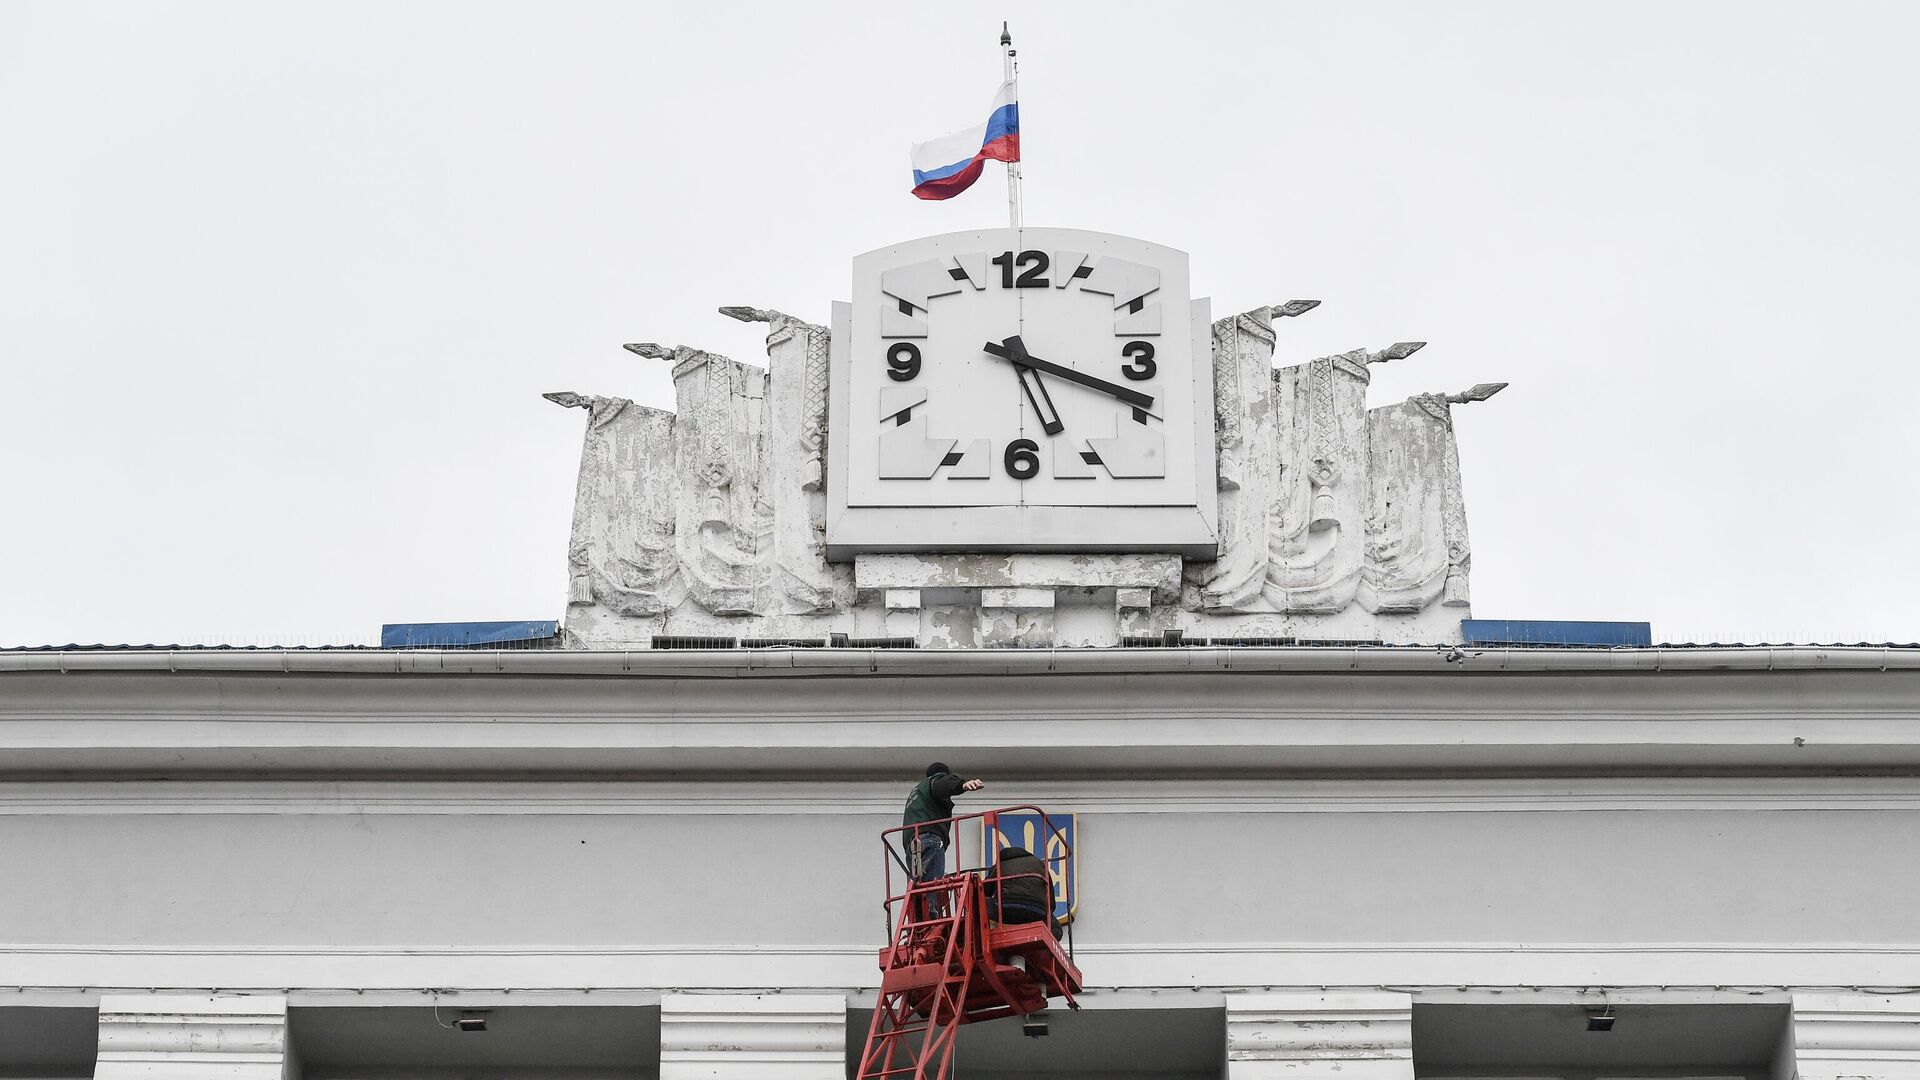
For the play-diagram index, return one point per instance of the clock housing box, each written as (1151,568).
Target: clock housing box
(1091,431)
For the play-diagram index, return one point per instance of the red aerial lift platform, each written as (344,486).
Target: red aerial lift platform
(952,958)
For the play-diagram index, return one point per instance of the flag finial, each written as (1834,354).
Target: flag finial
(1006,38)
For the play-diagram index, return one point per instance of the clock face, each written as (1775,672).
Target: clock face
(1045,389)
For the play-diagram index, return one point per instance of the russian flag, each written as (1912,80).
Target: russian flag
(945,167)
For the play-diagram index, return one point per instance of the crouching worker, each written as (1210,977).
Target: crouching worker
(1018,890)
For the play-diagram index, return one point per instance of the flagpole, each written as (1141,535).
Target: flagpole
(1012,75)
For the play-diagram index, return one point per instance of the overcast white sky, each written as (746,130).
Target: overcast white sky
(280,285)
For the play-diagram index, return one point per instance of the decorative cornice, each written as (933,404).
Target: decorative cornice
(850,968)
(786,662)
(840,798)
(1195,713)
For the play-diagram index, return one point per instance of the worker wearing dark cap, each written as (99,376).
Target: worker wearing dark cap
(932,801)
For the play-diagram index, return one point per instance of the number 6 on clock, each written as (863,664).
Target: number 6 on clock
(1022,459)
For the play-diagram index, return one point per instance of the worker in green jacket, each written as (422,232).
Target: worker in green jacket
(932,801)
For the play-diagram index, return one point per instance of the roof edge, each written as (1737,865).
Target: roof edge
(787,662)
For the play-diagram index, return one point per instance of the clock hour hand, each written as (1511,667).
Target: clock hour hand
(1014,352)
(1036,391)
(1041,401)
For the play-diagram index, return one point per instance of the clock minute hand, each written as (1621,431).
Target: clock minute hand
(1014,352)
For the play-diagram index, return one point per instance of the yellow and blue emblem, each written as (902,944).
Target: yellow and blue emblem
(1052,838)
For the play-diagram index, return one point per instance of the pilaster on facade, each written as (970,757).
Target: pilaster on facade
(1320,1037)
(192,1037)
(753,1037)
(1844,1036)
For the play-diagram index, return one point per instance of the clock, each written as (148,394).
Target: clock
(1021,390)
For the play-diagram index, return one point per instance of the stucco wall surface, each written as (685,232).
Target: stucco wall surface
(787,882)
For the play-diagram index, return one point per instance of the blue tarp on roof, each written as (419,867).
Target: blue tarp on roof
(1554,632)
(441,635)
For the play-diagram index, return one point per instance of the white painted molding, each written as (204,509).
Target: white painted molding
(1208,721)
(753,1037)
(1337,1036)
(733,663)
(838,798)
(1849,1036)
(182,1037)
(850,968)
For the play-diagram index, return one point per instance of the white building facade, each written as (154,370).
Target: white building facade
(1303,861)
(1317,835)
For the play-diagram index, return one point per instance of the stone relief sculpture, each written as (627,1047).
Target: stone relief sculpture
(1315,545)
(1244,452)
(1335,521)
(622,554)
(687,521)
(797,413)
(724,523)
(1416,528)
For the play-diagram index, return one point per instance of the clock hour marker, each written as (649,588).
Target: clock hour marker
(1139,363)
(1141,320)
(920,282)
(1070,461)
(973,463)
(906,450)
(1120,279)
(909,290)
(903,361)
(898,401)
(974,268)
(1069,267)
(1136,450)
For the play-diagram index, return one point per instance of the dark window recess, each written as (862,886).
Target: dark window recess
(1166,639)
(1340,642)
(842,641)
(1252,642)
(668,641)
(780,642)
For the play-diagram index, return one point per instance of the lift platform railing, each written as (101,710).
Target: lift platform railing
(1054,856)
